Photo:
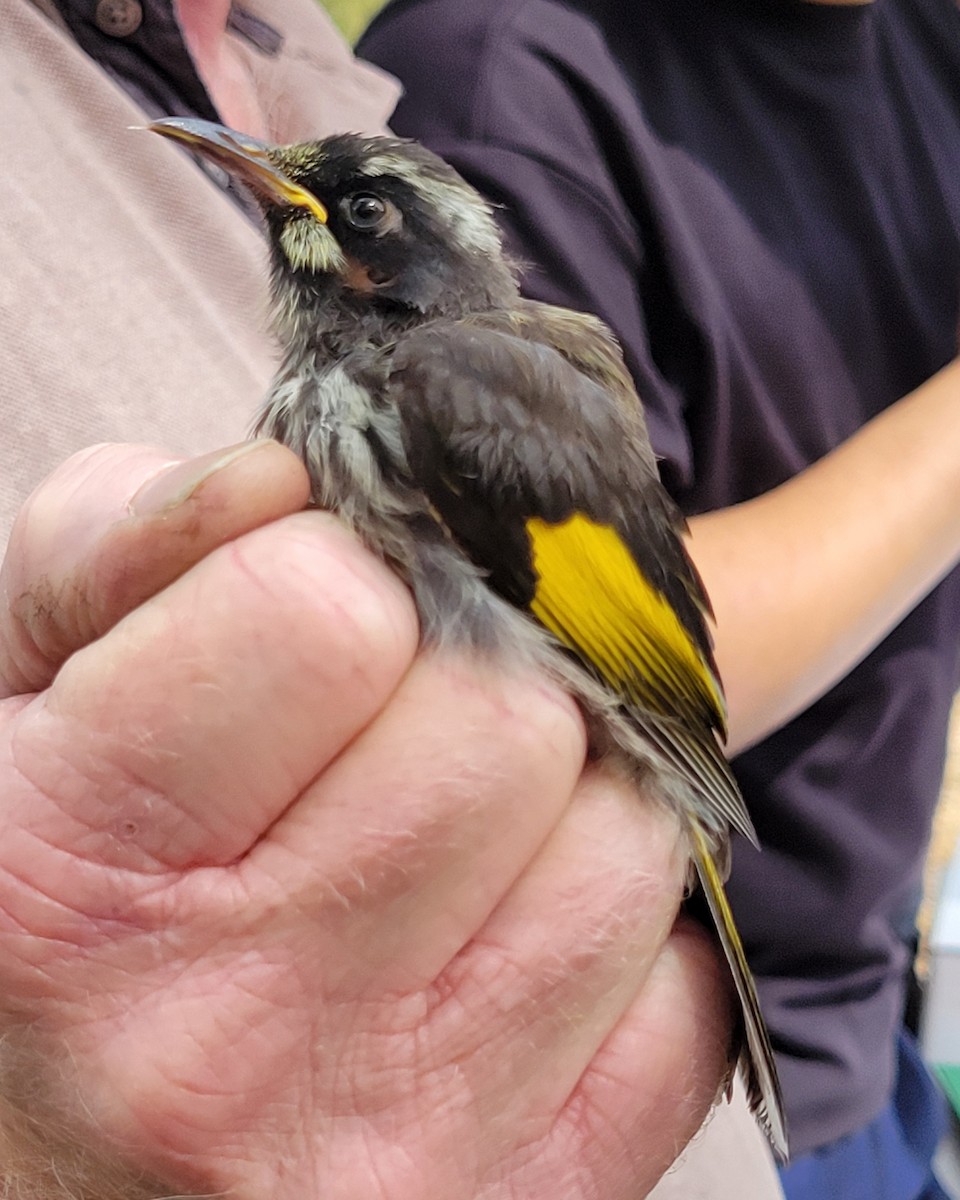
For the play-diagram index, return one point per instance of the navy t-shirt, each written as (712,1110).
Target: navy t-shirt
(762,197)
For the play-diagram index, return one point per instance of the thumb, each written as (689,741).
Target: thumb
(115,525)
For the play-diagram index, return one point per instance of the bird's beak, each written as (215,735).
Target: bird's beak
(250,160)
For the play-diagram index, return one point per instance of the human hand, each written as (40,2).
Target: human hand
(289,910)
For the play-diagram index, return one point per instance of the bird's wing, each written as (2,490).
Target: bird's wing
(544,475)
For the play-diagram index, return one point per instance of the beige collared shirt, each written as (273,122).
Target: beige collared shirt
(131,288)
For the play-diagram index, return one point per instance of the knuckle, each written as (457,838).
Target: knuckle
(345,609)
(534,720)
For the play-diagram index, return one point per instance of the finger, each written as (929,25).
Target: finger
(650,1086)
(729,1145)
(112,527)
(567,951)
(405,845)
(180,736)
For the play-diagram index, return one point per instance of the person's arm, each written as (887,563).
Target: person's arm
(806,579)
(289,910)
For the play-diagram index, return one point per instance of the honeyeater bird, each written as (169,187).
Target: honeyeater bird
(493,451)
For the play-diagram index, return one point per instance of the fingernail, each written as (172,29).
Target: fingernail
(177,483)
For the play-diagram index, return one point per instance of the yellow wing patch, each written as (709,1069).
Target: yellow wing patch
(593,597)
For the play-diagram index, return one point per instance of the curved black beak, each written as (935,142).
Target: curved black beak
(256,163)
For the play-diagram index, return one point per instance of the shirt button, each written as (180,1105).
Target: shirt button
(118,18)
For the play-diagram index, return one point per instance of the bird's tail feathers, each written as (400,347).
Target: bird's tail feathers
(756,1058)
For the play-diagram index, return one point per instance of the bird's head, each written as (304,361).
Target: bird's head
(362,222)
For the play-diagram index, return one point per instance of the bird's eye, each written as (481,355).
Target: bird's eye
(366,212)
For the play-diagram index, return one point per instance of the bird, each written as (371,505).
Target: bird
(492,450)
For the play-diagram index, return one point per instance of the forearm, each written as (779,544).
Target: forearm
(808,578)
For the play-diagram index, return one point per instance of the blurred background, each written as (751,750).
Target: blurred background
(352,16)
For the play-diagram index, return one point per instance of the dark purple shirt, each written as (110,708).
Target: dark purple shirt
(762,197)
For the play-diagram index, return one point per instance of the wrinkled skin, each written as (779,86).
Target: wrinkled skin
(287,910)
